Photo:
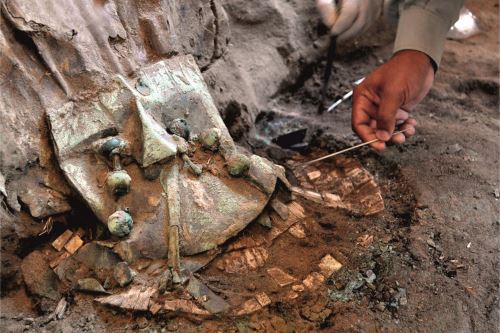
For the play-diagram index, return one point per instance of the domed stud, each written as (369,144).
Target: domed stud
(120,223)
(179,127)
(210,138)
(237,164)
(118,182)
(111,145)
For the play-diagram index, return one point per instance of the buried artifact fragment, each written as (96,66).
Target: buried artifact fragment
(176,123)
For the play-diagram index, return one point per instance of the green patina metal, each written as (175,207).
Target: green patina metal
(237,164)
(210,208)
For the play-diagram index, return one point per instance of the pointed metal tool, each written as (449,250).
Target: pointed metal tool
(344,98)
(328,71)
(346,150)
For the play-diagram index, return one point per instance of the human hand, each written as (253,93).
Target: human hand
(385,97)
(350,17)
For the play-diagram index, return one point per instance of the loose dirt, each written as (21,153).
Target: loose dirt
(434,250)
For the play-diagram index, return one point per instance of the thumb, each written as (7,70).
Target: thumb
(386,117)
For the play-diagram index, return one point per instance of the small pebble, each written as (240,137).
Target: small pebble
(380,306)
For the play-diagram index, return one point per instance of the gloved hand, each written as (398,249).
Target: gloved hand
(385,97)
(349,18)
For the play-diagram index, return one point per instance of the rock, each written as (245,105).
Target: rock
(370,276)
(127,251)
(40,280)
(123,274)
(179,127)
(55,262)
(73,244)
(328,265)
(313,175)
(296,214)
(380,306)
(210,138)
(400,297)
(203,295)
(264,220)
(237,164)
(97,257)
(453,149)
(120,223)
(43,202)
(280,277)
(137,298)
(3,191)
(61,309)
(60,241)
(90,285)
(280,208)
(431,243)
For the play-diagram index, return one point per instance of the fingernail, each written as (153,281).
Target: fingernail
(382,135)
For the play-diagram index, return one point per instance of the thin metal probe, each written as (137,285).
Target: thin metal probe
(346,150)
(345,97)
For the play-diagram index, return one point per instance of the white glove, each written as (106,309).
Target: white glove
(350,17)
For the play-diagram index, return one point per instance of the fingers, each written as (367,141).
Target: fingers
(407,126)
(366,119)
(363,117)
(386,116)
(355,29)
(328,11)
(348,14)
